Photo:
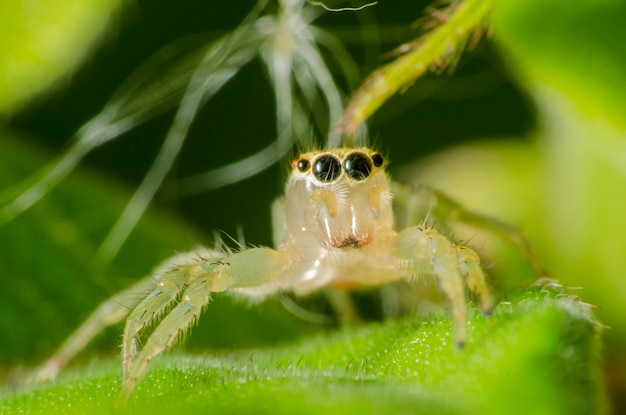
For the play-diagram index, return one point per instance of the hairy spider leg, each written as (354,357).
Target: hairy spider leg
(441,206)
(258,269)
(169,280)
(429,252)
(151,308)
(110,312)
(469,266)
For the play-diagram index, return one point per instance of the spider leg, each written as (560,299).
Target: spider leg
(469,266)
(423,201)
(429,252)
(168,280)
(153,306)
(279,221)
(254,272)
(110,312)
(195,297)
(344,307)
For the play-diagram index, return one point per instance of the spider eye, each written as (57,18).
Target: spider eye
(303,165)
(378,159)
(358,166)
(327,169)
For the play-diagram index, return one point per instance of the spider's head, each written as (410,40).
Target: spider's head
(341,197)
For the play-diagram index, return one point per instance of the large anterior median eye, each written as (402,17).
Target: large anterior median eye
(327,169)
(358,166)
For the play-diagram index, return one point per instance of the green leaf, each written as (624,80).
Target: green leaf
(571,58)
(42,40)
(537,354)
(576,48)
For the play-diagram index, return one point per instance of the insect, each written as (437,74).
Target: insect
(335,227)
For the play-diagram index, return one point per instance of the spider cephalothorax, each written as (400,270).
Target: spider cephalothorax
(339,197)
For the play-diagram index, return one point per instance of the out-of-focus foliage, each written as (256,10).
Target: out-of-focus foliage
(575,49)
(43,41)
(572,61)
(568,186)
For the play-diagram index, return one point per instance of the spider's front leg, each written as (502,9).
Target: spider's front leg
(453,266)
(108,313)
(422,201)
(186,289)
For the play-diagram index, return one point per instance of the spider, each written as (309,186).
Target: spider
(334,227)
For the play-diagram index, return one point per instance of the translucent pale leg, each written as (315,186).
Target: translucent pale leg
(190,288)
(430,253)
(420,202)
(167,283)
(195,297)
(469,266)
(279,221)
(108,313)
(172,277)
(344,307)
(153,306)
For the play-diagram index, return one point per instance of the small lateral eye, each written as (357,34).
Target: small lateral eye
(303,165)
(378,159)
(358,166)
(327,169)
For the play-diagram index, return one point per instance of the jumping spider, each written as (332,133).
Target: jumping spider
(334,226)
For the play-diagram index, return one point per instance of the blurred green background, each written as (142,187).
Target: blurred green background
(529,128)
